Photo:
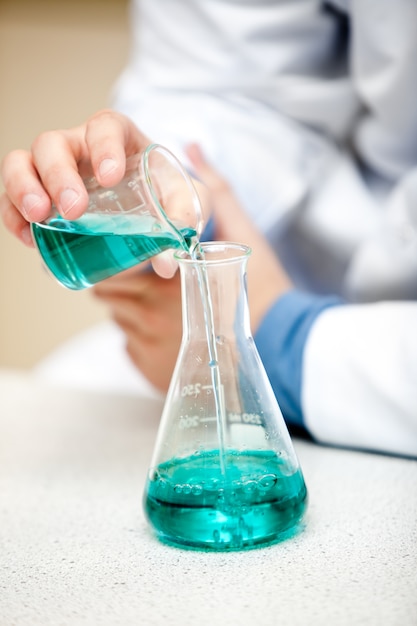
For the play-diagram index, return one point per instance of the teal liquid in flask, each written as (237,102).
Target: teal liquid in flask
(224,474)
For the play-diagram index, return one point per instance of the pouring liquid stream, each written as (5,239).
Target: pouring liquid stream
(197,254)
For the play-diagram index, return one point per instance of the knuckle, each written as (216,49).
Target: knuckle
(45,138)
(10,163)
(102,134)
(102,114)
(50,176)
(101,118)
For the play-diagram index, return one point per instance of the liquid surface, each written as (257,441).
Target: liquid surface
(192,504)
(84,252)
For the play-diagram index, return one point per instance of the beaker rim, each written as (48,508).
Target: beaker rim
(216,253)
(145,170)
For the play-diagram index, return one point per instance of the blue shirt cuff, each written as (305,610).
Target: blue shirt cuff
(280,340)
(208,231)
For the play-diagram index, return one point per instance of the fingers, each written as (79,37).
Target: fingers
(48,174)
(148,310)
(142,286)
(146,299)
(24,190)
(164,264)
(152,338)
(15,222)
(110,137)
(156,361)
(98,147)
(51,173)
(55,157)
(133,282)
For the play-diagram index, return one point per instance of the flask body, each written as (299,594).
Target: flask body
(224,473)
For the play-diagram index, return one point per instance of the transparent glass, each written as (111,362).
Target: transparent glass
(224,473)
(155,207)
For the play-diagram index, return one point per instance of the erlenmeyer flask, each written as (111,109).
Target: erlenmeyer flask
(224,474)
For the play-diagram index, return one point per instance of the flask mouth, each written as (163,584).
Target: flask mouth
(215,253)
(154,160)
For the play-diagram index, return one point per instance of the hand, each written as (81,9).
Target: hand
(148,310)
(148,307)
(52,172)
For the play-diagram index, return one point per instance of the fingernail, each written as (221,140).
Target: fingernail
(106,167)
(67,200)
(29,202)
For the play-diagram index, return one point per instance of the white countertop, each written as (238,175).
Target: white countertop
(75,548)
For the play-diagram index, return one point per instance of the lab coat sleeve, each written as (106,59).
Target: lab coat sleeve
(360,377)
(280,340)
(346,374)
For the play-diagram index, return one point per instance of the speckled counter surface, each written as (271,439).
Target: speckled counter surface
(75,548)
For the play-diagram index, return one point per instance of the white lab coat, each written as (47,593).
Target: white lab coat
(308,109)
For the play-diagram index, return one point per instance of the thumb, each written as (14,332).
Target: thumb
(164,264)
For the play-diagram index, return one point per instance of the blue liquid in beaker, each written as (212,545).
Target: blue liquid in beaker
(83,252)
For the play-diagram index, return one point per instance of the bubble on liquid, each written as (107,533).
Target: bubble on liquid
(250,486)
(220,496)
(220,340)
(197,490)
(267,482)
(211,485)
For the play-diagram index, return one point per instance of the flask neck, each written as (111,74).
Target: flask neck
(214,293)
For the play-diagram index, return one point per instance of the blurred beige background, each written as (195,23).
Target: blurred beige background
(58,62)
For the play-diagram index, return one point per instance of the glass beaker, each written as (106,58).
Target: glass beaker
(224,474)
(155,207)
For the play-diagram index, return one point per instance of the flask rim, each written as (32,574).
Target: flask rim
(215,253)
